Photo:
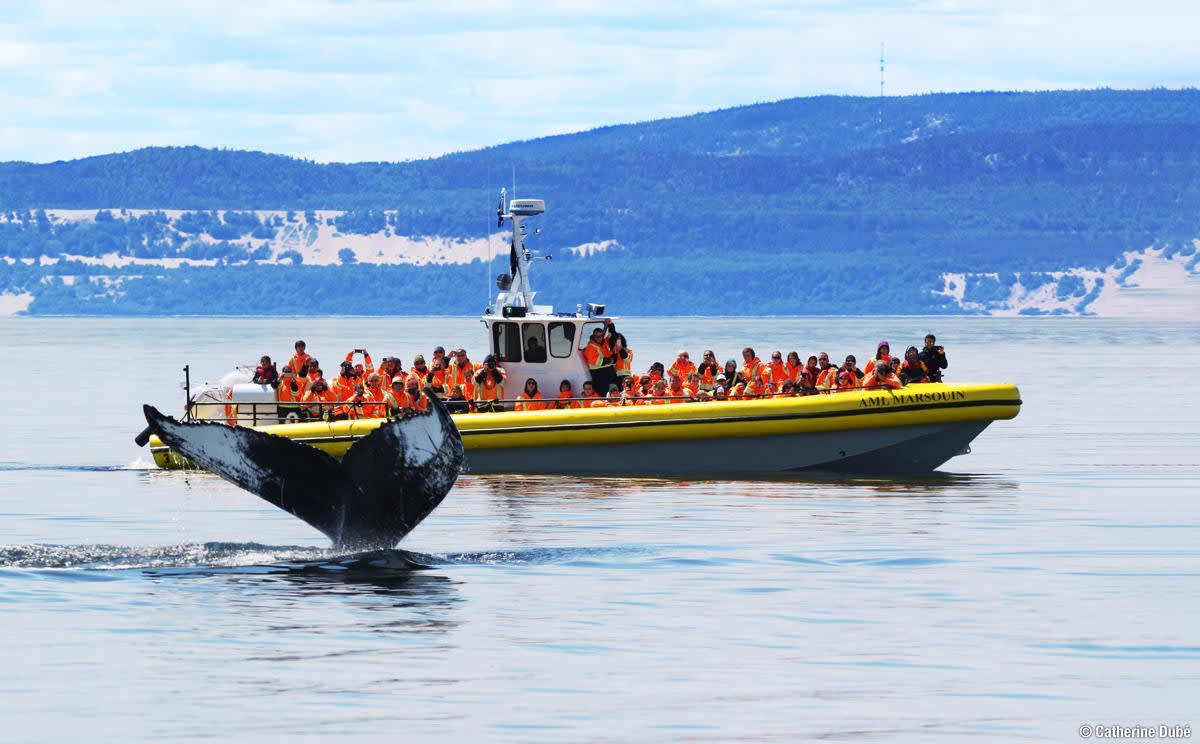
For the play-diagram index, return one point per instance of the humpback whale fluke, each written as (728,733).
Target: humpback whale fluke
(385,484)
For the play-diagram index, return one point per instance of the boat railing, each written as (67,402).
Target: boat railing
(262,413)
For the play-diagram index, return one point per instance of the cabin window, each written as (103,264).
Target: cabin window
(588,330)
(534,337)
(506,342)
(562,339)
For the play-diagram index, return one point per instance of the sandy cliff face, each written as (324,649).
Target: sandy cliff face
(1156,281)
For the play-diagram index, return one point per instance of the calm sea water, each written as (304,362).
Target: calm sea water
(1047,580)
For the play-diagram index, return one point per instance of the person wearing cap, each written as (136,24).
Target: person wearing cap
(289,394)
(395,400)
(934,357)
(720,391)
(418,371)
(531,399)
(597,355)
(912,369)
(682,366)
(417,399)
(489,385)
(319,400)
(343,388)
(373,394)
(439,355)
(849,376)
(882,376)
(883,353)
(300,358)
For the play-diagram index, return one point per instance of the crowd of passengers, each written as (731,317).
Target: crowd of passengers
(360,390)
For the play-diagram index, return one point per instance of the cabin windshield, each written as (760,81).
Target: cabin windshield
(562,338)
(534,337)
(588,328)
(506,341)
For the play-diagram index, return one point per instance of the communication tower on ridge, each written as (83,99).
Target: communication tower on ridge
(879,118)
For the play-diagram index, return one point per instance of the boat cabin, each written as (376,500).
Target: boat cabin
(532,340)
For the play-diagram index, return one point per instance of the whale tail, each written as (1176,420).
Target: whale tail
(385,484)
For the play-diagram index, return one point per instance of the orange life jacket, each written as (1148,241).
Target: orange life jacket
(298,360)
(681,370)
(284,392)
(827,378)
(343,389)
(489,389)
(396,403)
(375,408)
(596,354)
(750,369)
(778,373)
(623,366)
(535,402)
(877,381)
(465,376)
(567,404)
(319,403)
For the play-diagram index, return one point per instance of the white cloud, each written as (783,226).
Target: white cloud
(371,80)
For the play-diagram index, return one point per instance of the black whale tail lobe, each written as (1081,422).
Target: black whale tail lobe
(385,484)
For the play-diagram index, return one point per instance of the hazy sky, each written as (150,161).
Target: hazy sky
(356,80)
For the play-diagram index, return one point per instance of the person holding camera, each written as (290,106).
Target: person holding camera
(934,358)
(489,385)
(265,373)
(289,394)
(363,368)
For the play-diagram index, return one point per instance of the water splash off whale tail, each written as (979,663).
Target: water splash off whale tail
(385,484)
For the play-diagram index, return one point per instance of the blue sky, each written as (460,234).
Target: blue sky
(352,80)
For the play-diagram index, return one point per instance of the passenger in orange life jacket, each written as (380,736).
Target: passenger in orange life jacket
(738,392)
(289,394)
(588,391)
(852,364)
(373,393)
(439,355)
(300,358)
(708,370)
(882,376)
(760,386)
(691,386)
(343,384)
(364,368)
(912,369)
(396,400)
(461,372)
(418,400)
(826,373)
(846,381)
(807,384)
(435,379)
(791,370)
(319,400)
(657,372)
(615,397)
(388,369)
(531,399)
(659,393)
(883,353)
(811,366)
(675,389)
(629,391)
(489,385)
(597,355)
(622,357)
(720,391)
(682,366)
(418,371)
(314,371)
(565,391)
(778,369)
(750,365)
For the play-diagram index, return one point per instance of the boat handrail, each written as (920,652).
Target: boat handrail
(257,409)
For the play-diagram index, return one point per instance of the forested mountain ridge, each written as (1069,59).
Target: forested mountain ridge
(798,206)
